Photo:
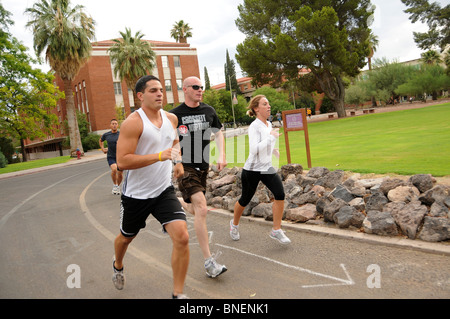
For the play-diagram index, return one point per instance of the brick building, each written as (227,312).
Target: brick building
(97,90)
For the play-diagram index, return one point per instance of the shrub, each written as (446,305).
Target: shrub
(327,105)
(3,160)
(90,142)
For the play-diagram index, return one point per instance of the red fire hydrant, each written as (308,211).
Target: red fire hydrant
(78,153)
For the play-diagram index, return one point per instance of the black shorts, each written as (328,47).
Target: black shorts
(166,208)
(250,181)
(193,181)
(111,160)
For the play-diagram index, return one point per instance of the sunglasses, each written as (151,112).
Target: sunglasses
(196,87)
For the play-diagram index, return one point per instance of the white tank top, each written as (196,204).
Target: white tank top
(150,181)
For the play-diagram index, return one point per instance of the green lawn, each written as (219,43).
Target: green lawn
(34,164)
(401,142)
(405,142)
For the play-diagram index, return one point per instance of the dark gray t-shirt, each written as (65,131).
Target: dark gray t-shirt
(111,138)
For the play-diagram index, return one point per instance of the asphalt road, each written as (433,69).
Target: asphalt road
(57,229)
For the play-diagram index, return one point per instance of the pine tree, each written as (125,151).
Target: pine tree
(207,82)
(230,74)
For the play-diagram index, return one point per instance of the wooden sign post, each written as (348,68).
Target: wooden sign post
(295,120)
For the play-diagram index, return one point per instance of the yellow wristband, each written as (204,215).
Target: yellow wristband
(159,156)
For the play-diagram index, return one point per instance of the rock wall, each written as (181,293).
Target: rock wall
(417,208)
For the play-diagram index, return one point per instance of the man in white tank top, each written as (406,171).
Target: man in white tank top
(147,146)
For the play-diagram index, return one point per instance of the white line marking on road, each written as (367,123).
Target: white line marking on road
(347,281)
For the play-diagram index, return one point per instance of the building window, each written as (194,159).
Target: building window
(165,61)
(168,85)
(179,85)
(85,98)
(176,61)
(117,88)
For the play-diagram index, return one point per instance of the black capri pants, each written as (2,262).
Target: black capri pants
(250,180)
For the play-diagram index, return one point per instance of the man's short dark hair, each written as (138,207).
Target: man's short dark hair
(142,82)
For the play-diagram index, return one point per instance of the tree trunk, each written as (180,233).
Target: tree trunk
(335,90)
(339,106)
(74,132)
(374,101)
(22,149)
(434,95)
(137,102)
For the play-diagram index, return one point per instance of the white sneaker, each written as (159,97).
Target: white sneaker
(280,236)
(214,269)
(118,278)
(116,190)
(234,231)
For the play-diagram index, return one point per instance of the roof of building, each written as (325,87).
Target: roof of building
(152,42)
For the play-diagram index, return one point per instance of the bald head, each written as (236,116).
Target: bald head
(192,80)
(193,91)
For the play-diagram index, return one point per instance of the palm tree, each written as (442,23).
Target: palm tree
(181,31)
(431,57)
(64,33)
(132,59)
(373,43)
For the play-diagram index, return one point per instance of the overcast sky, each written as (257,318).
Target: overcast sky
(213,26)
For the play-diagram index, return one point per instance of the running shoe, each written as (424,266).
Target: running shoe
(118,278)
(234,231)
(180,296)
(116,190)
(214,269)
(280,236)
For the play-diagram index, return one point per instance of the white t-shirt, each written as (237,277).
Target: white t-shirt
(261,144)
(150,181)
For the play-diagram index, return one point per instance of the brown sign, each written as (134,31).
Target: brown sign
(295,120)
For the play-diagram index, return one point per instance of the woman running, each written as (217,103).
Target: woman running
(258,167)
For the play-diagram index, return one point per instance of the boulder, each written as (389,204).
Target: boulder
(263,210)
(288,169)
(358,203)
(435,229)
(317,172)
(341,192)
(403,194)
(332,208)
(439,193)
(331,180)
(423,182)
(391,183)
(302,214)
(370,182)
(438,210)
(376,201)
(409,217)
(310,197)
(380,223)
(348,216)
(225,180)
